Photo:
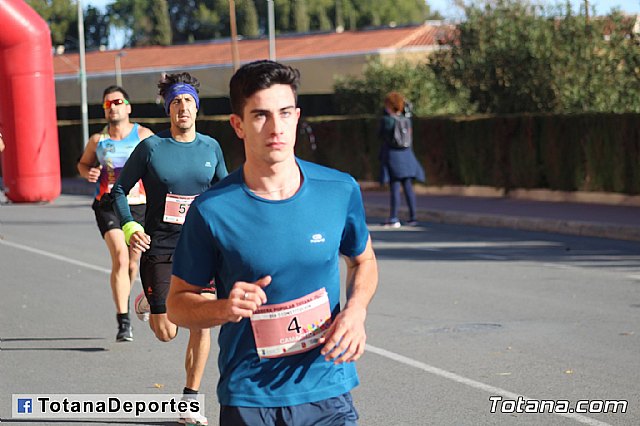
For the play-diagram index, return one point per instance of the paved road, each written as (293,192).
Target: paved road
(462,313)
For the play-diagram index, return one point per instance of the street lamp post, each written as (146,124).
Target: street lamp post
(234,36)
(272,30)
(118,68)
(83,77)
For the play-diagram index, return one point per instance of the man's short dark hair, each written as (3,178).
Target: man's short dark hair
(259,75)
(169,80)
(112,89)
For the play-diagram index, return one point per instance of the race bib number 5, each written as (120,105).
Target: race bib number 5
(176,208)
(292,327)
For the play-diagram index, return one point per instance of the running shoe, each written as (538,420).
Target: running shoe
(193,419)
(125,333)
(142,308)
(392,225)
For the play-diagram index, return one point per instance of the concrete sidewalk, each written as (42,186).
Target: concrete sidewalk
(597,215)
(596,218)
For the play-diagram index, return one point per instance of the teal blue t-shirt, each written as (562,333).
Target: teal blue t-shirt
(167,166)
(231,234)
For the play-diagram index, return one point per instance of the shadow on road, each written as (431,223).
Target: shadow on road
(35,340)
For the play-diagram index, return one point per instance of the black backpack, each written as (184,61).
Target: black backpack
(402,132)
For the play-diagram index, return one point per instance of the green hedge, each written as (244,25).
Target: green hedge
(586,152)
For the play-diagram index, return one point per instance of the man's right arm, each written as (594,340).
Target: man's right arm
(187,308)
(86,164)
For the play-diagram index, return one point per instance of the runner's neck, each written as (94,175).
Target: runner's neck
(277,186)
(119,131)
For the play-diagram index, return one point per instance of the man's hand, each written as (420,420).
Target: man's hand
(346,337)
(245,298)
(140,242)
(94,174)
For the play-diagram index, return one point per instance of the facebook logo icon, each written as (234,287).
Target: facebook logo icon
(24,405)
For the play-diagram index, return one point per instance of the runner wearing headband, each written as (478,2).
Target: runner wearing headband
(175,166)
(101,162)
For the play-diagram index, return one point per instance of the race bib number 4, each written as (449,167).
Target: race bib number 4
(176,207)
(292,327)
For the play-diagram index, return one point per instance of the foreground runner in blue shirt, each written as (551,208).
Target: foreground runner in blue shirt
(175,166)
(270,236)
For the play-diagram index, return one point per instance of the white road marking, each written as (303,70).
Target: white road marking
(470,382)
(56,256)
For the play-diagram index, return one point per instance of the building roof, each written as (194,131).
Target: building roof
(288,47)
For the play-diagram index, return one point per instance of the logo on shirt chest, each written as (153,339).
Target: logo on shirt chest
(317,239)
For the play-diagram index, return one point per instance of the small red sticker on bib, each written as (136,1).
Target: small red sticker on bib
(291,327)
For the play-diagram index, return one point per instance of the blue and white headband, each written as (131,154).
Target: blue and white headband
(180,89)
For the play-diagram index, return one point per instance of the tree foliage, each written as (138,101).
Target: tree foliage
(327,15)
(509,56)
(514,57)
(163,22)
(146,21)
(62,18)
(97,28)
(503,57)
(416,81)
(205,20)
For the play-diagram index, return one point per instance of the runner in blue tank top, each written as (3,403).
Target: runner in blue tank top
(101,162)
(271,235)
(175,166)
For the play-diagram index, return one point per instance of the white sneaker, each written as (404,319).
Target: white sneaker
(142,308)
(394,225)
(193,419)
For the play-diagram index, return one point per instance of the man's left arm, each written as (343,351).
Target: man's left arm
(345,340)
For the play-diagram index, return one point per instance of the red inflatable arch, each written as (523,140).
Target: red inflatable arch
(31,159)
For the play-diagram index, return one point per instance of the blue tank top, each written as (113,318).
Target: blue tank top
(112,154)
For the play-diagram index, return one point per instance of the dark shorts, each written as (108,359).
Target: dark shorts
(155,274)
(337,411)
(107,219)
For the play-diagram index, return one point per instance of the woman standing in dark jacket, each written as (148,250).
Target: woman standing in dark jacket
(399,166)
